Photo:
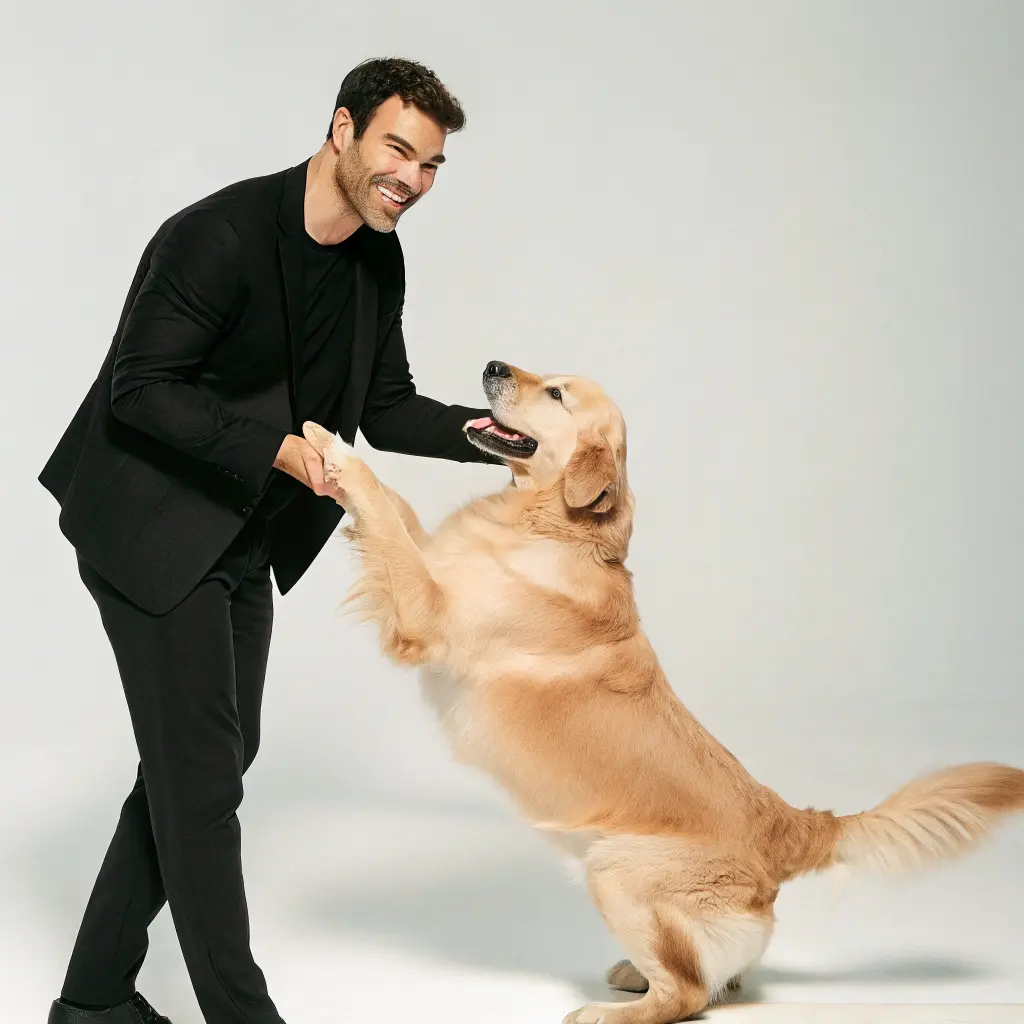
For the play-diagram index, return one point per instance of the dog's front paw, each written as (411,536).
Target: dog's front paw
(594,1013)
(344,471)
(341,465)
(336,453)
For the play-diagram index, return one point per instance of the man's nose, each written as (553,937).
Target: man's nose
(497,369)
(411,176)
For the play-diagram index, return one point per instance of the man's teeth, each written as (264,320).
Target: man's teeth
(393,196)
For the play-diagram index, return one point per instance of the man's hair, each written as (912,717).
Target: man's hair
(369,84)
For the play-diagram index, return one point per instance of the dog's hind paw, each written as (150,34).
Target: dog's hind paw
(624,976)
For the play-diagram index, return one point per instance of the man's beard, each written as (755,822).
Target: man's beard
(358,189)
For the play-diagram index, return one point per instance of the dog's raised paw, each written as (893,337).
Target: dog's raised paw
(319,437)
(339,456)
(336,452)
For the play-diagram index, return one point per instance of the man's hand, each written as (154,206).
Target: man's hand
(323,442)
(299,459)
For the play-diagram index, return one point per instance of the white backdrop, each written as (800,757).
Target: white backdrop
(787,237)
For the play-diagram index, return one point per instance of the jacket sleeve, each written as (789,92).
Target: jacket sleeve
(397,419)
(192,288)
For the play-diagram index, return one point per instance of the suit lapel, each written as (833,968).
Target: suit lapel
(291,220)
(290,248)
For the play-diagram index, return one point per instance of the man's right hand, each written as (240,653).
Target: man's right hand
(299,459)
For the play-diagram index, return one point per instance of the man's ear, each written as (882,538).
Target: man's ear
(591,478)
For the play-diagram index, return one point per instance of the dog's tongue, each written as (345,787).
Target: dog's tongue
(481,424)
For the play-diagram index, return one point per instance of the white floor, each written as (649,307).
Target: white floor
(384,910)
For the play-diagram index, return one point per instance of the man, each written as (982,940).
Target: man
(183,479)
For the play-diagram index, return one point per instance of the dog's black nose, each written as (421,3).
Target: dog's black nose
(496,369)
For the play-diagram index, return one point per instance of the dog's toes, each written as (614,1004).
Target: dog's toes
(319,437)
(623,975)
(337,454)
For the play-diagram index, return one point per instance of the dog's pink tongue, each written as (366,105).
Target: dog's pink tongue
(481,424)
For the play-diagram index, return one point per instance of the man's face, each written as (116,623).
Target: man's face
(392,166)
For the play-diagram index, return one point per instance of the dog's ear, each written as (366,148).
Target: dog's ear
(591,478)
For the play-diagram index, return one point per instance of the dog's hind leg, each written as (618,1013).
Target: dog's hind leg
(624,976)
(689,920)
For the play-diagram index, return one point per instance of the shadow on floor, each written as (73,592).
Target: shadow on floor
(528,918)
(520,915)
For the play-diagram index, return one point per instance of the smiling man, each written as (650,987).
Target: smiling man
(184,478)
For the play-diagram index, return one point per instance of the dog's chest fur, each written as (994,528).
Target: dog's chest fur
(451,701)
(448,697)
(442,692)
(512,575)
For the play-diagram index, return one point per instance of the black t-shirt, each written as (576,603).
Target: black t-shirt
(330,272)
(326,355)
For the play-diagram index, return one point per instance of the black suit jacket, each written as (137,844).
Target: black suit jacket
(173,446)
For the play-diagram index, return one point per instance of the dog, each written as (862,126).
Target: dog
(519,613)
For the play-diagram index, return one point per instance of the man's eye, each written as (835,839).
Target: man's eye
(555,394)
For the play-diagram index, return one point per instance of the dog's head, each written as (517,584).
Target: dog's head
(555,430)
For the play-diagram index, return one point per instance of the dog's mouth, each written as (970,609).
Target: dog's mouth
(499,440)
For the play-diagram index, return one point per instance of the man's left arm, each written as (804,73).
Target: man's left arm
(397,419)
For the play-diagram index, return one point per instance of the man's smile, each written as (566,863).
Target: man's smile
(391,198)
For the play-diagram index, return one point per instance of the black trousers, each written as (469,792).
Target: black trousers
(193,679)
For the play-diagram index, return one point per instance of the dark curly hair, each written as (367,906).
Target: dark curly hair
(369,84)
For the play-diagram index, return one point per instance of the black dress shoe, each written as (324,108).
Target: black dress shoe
(135,1011)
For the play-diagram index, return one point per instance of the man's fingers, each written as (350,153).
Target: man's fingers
(313,463)
(314,468)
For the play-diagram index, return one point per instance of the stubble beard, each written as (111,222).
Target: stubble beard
(356,189)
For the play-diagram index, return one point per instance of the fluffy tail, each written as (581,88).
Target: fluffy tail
(932,819)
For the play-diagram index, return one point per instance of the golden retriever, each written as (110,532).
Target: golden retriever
(520,612)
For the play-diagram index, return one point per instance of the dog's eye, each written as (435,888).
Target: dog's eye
(555,394)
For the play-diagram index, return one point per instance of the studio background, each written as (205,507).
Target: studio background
(787,237)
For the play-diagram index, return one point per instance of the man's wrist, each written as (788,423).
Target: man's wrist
(287,444)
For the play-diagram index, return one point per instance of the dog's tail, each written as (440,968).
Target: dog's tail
(932,819)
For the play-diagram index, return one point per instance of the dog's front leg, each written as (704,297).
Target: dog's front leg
(409,518)
(395,589)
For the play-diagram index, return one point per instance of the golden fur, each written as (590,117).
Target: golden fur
(520,613)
